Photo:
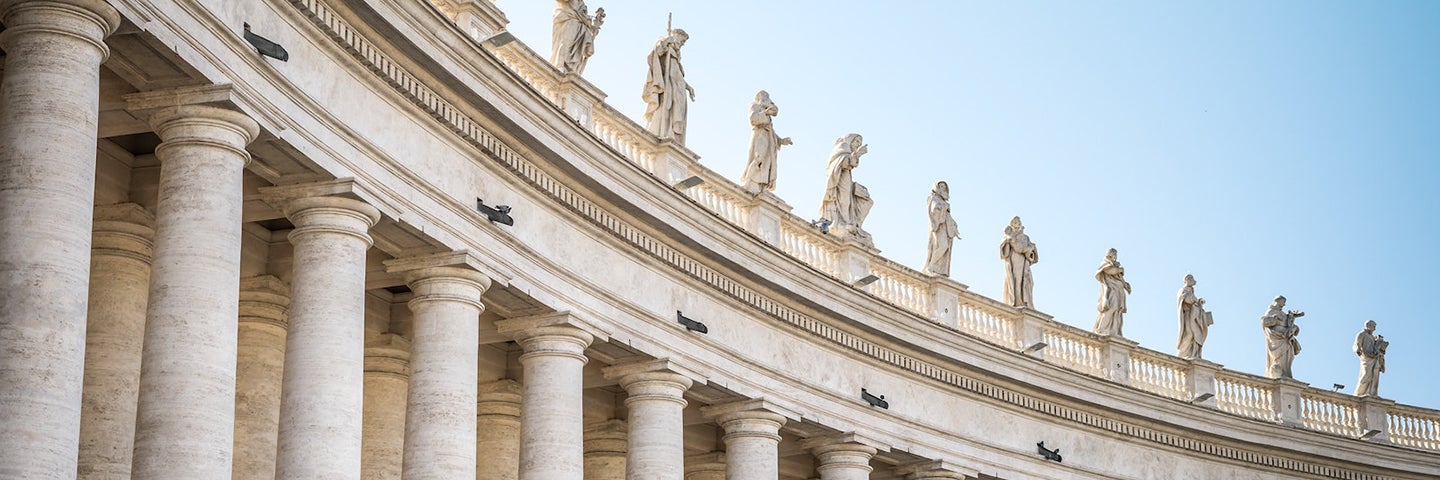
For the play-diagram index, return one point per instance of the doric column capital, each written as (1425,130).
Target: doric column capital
(346,216)
(452,276)
(388,354)
(658,379)
(749,418)
(936,470)
(557,333)
(203,125)
(124,230)
(87,20)
(500,398)
(264,299)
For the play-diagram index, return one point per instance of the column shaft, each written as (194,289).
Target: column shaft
(185,418)
(551,420)
(440,416)
(752,440)
(49,106)
(656,404)
(258,371)
(497,426)
(321,412)
(844,461)
(605,446)
(119,292)
(387,383)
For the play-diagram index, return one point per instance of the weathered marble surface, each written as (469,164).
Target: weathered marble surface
(1194,321)
(943,231)
(573,40)
(666,90)
(764,145)
(1281,344)
(846,203)
(1019,253)
(1371,350)
(1113,289)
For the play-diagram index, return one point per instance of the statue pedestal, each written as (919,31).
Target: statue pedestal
(1032,331)
(763,216)
(578,98)
(1117,358)
(1373,413)
(1202,381)
(945,301)
(1286,400)
(853,259)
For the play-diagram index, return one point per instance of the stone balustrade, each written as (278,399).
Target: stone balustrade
(950,303)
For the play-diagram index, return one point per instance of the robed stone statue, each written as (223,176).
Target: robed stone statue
(846,203)
(764,145)
(943,231)
(666,91)
(1371,350)
(1019,253)
(1281,344)
(1194,321)
(1113,289)
(573,39)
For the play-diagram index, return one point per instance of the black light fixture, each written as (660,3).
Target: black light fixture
(688,183)
(1038,346)
(866,280)
(1337,387)
(266,47)
(498,40)
(498,214)
(823,224)
(1202,397)
(873,400)
(1047,453)
(689,324)
(1369,434)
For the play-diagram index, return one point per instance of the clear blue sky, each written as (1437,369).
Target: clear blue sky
(1269,148)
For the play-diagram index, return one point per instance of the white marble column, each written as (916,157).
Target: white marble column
(935,470)
(551,417)
(321,409)
(605,446)
(440,417)
(119,291)
(186,416)
(49,106)
(840,457)
(752,438)
(387,383)
(656,405)
(259,367)
(705,466)
(497,427)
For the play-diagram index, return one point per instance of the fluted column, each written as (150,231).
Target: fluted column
(259,368)
(440,416)
(605,446)
(841,457)
(705,466)
(185,419)
(656,404)
(387,383)
(119,291)
(551,420)
(752,438)
(49,106)
(497,426)
(321,419)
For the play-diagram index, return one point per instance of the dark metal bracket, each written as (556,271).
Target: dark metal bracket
(498,214)
(265,46)
(689,324)
(1047,453)
(873,400)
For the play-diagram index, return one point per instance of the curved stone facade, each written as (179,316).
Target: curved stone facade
(376,138)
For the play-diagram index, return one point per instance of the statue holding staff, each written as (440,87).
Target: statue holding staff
(666,90)
(764,145)
(573,40)
(1194,321)
(1371,350)
(1281,344)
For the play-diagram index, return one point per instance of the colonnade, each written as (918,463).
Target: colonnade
(174,367)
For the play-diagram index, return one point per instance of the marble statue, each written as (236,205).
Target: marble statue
(1019,254)
(573,40)
(846,203)
(764,145)
(1371,350)
(943,231)
(1113,289)
(1281,344)
(666,89)
(1194,321)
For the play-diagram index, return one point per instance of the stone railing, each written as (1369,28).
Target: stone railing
(949,303)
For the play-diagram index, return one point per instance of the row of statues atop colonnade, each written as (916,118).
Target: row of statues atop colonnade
(845,204)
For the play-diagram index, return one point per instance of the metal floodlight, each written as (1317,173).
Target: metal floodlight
(498,40)
(873,400)
(868,279)
(1369,434)
(823,224)
(498,214)
(266,47)
(1048,453)
(1337,387)
(1038,346)
(1202,397)
(688,183)
(689,324)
